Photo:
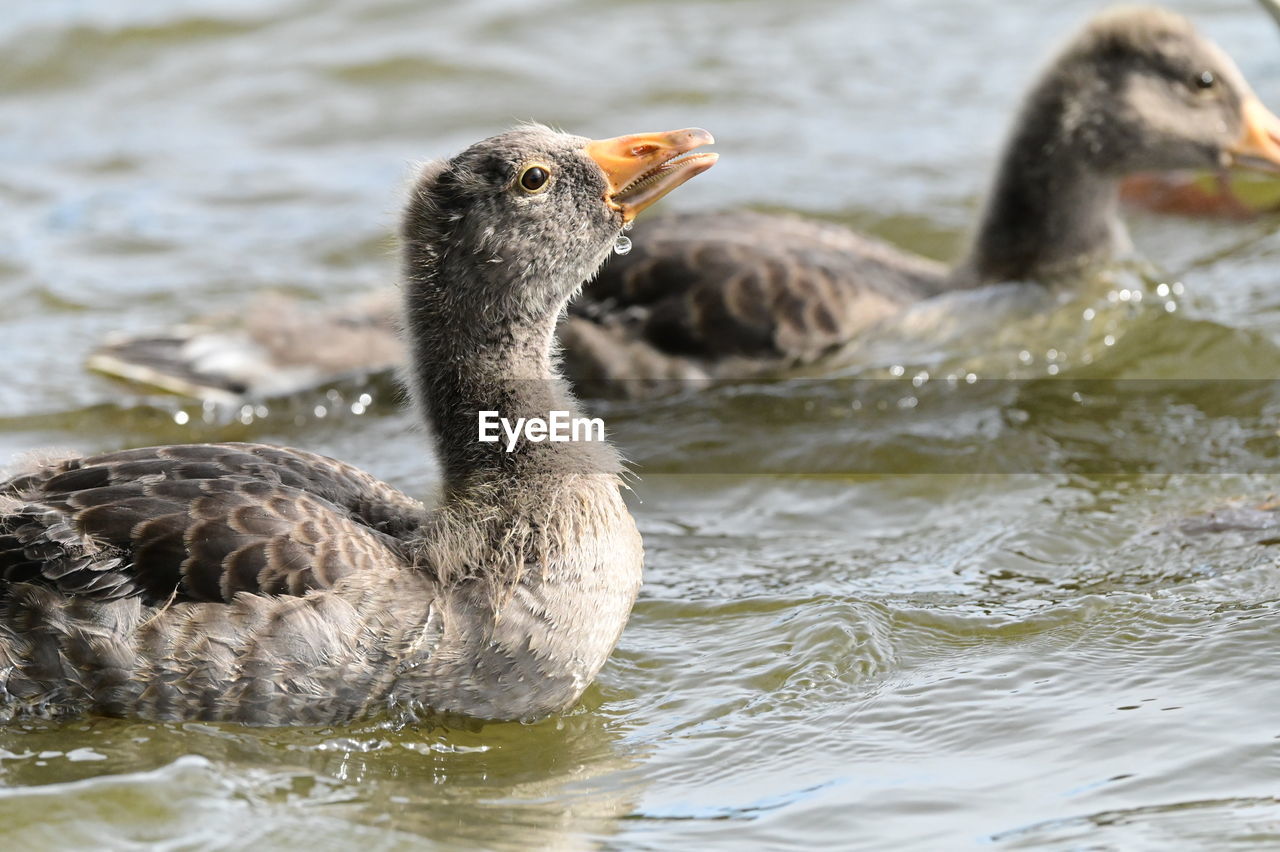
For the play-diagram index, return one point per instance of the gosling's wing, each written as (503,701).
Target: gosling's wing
(199,522)
(714,286)
(276,348)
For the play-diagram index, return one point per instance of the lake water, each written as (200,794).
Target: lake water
(892,610)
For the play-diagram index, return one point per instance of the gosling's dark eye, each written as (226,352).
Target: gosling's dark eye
(534,179)
(1206,80)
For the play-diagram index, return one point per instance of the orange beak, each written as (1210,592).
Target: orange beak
(1259,145)
(643,167)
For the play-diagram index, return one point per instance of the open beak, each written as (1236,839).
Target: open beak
(1259,145)
(643,167)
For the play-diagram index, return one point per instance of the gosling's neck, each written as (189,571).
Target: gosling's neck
(487,361)
(1050,211)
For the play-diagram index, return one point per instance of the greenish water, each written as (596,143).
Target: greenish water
(885,609)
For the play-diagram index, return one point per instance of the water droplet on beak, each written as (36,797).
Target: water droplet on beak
(622,245)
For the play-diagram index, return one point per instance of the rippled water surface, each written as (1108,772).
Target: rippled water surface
(944,600)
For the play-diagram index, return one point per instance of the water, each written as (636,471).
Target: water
(941,600)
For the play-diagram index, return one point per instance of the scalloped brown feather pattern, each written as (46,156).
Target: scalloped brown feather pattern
(200,523)
(734,294)
(757,285)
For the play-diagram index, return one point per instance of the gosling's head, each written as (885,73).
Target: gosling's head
(513,225)
(1140,90)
